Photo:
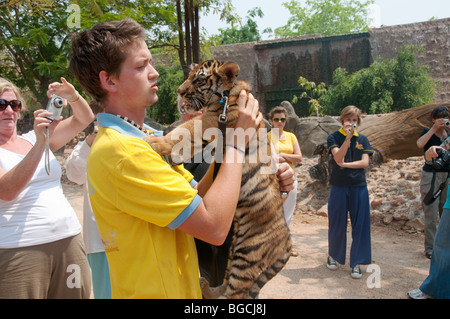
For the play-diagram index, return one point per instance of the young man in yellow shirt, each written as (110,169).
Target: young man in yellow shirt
(147,211)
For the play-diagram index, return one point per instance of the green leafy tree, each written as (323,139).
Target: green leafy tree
(413,84)
(312,92)
(34,45)
(165,111)
(35,35)
(327,17)
(246,33)
(188,27)
(383,87)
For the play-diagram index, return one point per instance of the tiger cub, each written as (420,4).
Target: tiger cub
(261,243)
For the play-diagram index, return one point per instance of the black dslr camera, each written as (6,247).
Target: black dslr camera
(443,159)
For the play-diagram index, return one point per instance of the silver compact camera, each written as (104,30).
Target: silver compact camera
(354,125)
(55,106)
(447,122)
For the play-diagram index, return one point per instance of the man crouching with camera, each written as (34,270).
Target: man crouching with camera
(434,176)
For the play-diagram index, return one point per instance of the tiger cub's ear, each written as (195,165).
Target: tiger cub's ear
(189,68)
(229,71)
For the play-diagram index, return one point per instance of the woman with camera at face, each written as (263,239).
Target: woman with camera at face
(431,178)
(349,194)
(41,249)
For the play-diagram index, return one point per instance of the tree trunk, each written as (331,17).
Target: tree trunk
(181,39)
(196,36)
(187,30)
(394,135)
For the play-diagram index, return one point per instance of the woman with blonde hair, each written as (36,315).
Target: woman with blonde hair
(41,249)
(349,194)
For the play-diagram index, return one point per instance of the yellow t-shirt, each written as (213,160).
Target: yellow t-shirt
(139,201)
(285,145)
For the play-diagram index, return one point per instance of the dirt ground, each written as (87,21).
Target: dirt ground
(398,264)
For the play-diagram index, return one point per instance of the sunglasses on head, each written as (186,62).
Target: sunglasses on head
(279,119)
(15,105)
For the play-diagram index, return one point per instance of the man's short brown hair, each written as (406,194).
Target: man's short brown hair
(350,111)
(102,48)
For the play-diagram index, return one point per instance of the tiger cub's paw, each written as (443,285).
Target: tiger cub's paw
(206,289)
(204,284)
(159,145)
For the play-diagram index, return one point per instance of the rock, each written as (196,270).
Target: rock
(410,195)
(375,204)
(398,202)
(394,201)
(416,224)
(387,219)
(400,215)
(412,176)
(322,213)
(312,131)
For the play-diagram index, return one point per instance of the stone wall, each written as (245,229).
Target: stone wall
(273,67)
(433,36)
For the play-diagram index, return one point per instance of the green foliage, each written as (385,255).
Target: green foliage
(414,85)
(35,36)
(312,92)
(246,33)
(165,111)
(327,17)
(33,42)
(383,87)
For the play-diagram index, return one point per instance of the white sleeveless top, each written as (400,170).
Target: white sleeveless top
(40,214)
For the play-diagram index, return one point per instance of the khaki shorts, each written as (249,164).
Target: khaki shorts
(54,270)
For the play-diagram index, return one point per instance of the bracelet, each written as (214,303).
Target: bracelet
(76,100)
(235,147)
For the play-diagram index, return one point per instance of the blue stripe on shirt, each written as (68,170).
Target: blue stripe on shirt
(181,218)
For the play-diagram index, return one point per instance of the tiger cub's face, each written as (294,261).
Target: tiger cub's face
(206,83)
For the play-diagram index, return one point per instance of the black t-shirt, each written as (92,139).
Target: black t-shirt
(359,145)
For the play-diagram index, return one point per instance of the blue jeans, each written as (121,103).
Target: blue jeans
(353,200)
(437,284)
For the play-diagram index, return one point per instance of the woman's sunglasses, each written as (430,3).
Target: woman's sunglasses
(279,119)
(15,105)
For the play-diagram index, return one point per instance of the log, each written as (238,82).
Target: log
(394,135)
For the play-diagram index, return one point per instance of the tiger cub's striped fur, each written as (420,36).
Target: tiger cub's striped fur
(261,244)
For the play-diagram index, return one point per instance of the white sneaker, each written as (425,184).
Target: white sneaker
(331,263)
(417,294)
(356,272)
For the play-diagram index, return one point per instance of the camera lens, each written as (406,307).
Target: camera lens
(58,103)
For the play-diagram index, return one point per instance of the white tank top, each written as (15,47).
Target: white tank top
(40,214)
